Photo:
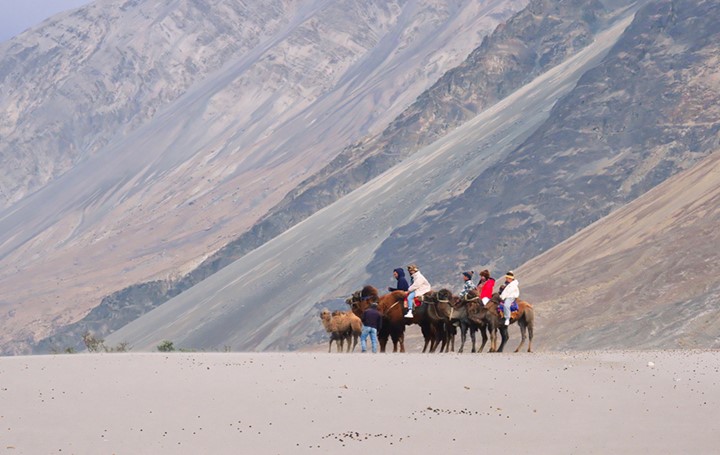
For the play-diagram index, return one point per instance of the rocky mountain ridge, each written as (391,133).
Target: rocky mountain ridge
(166,127)
(247,307)
(531,42)
(646,113)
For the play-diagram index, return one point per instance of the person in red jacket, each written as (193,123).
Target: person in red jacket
(486,286)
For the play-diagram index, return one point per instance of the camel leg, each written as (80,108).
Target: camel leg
(451,339)
(330,346)
(439,336)
(505,337)
(382,340)
(483,332)
(426,337)
(443,340)
(355,340)
(473,339)
(463,336)
(530,335)
(523,334)
(402,342)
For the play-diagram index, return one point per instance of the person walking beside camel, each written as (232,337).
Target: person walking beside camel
(418,288)
(509,294)
(372,323)
(402,284)
(486,286)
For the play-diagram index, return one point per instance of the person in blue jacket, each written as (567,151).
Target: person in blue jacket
(402,284)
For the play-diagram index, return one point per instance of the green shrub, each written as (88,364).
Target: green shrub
(166,346)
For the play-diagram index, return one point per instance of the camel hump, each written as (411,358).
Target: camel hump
(368,292)
(523,303)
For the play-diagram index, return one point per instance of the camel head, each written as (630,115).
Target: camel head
(360,300)
(325,315)
(445,295)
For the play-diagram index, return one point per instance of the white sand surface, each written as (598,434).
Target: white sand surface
(659,402)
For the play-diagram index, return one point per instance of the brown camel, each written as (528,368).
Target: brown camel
(438,308)
(428,327)
(391,307)
(459,313)
(342,326)
(525,317)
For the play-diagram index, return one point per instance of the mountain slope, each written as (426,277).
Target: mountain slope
(531,42)
(166,127)
(651,109)
(645,276)
(265,300)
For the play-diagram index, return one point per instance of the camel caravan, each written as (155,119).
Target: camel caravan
(438,313)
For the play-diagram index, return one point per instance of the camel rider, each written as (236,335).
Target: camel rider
(418,288)
(486,286)
(468,284)
(402,284)
(509,294)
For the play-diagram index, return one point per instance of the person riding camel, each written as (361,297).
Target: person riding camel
(509,294)
(402,284)
(468,284)
(486,286)
(418,287)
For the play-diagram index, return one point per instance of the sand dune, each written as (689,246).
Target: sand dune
(191,403)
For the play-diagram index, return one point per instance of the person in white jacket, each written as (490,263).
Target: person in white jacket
(418,287)
(509,294)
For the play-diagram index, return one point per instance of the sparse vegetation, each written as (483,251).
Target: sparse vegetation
(93,344)
(166,346)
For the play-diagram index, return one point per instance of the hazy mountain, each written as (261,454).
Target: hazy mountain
(613,121)
(139,137)
(645,276)
(266,299)
(648,111)
(616,101)
(534,40)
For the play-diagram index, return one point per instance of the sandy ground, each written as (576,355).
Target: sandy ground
(233,403)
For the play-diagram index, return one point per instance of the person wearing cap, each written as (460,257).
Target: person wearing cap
(418,287)
(509,294)
(372,323)
(468,284)
(486,286)
(402,284)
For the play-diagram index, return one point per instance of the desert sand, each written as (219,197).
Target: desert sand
(611,402)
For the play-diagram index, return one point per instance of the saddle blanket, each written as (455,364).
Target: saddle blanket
(416,301)
(513,310)
(513,307)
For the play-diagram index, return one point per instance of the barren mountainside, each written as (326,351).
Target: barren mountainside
(140,137)
(579,137)
(644,277)
(651,109)
(267,299)
(532,41)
